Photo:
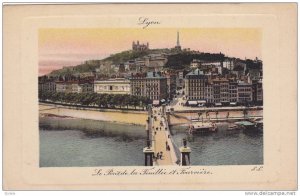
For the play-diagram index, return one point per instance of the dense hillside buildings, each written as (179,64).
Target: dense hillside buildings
(155,62)
(156,74)
(228,63)
(195,64)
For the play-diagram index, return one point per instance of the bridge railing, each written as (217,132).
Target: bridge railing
(174,149)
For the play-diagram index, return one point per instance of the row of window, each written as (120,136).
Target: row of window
(245,89)
(218,100)
(196,88)
(124,88)
(152,89)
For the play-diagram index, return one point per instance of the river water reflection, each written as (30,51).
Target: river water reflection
(75,148)
(223,147)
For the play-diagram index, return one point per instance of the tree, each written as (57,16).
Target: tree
(217,113)
(126,100)
(245,112)
(207,115)
(199,115)
(101,100)
(134,101)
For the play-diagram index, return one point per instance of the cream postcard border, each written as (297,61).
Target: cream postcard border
(21,135)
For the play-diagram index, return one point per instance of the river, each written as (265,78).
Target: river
(223,147)
(63,146)
(72,148)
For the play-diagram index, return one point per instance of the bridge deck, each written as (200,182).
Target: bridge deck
(160,138)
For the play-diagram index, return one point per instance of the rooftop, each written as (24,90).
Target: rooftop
(220,80)
(154,75)
(112,80)
(195,72)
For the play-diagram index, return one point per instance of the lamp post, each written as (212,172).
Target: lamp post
(185,154)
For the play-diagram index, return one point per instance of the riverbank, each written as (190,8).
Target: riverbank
(127,117)
(187,117)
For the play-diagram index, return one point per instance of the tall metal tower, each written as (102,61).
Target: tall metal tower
(178,43)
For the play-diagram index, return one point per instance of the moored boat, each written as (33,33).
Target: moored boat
(246,125)
(259,124)
(200,127)
(233,127)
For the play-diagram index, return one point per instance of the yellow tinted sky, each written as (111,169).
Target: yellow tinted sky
(68,47)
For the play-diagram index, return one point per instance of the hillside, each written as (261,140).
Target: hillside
(178,61)
(88,66)
(175,60)
(91,65)
(125,56)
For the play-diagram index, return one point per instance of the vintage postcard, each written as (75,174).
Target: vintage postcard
(150,96)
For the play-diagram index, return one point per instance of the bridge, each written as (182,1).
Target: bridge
(161,139)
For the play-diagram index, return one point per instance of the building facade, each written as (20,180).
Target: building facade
(209,93)
(62,87)
(180,80)
(195,83)
(86,87)
(171,84)
(47,86)
(195,64)
(254,74)
(244,92)
(112,86)
(257,89)
(74,86)
(152,85)
(139,47)
(233,91)
(221,90)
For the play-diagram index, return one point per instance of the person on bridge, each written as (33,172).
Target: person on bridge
(168,148)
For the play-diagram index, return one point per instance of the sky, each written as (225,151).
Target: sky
(60,47)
